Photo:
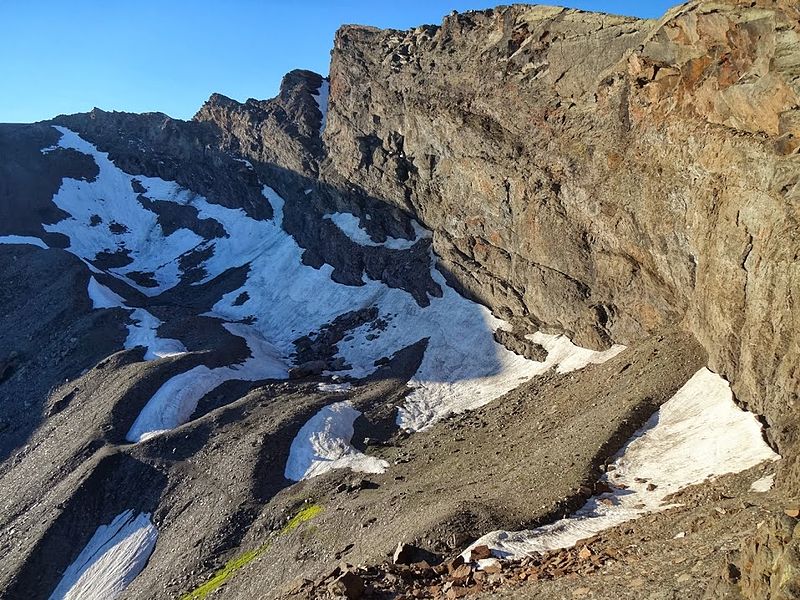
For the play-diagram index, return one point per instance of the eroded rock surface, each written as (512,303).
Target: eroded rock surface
(599,175)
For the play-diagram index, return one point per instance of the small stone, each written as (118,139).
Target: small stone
(404,554)
(455,563)
(480,553)
(584,553)
(793,512)
(461,573)
(349,585)
(490,565)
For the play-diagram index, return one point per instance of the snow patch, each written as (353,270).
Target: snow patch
(349,225)
(143,332)
(322,102)
(764,484)
(174,402)
(103,297)
(23,239)
(323,444)
(110,561)
(697,434)
(567,356)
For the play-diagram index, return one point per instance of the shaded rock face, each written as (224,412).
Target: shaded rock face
(598,175)
(154,145)
(282,131)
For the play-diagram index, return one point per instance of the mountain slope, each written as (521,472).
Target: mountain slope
(432,297)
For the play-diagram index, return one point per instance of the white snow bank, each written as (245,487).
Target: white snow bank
(103,297)
(144,327)
(110,561)
(323,444)
(567,356)
(349,225)
(143,332)
(175,401)
(322,102)
(697,434)
(23,239)
(763,484)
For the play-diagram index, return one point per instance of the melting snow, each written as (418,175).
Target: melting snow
(697,434)
(322,102)
(349,225)
(323,444)
(175,401)
(110,561)
(142,331)
(764,484)
(22,239)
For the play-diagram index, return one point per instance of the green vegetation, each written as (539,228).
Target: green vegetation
(236,563)
(306,514)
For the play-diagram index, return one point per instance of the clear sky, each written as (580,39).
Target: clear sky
(62,56)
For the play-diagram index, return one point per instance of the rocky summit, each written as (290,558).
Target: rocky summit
(507,307)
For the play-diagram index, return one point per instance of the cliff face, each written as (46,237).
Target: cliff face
(599,175)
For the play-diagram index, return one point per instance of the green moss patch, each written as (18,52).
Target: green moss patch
(238,562)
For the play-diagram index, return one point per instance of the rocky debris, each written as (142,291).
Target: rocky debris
(769,562)
(321,345)
(519,345)
(457,579)
(307,369)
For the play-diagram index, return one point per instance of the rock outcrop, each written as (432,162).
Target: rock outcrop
(599,175)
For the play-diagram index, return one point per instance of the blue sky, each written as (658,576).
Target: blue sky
(170,55)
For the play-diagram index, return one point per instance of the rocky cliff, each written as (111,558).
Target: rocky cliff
(599,175)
